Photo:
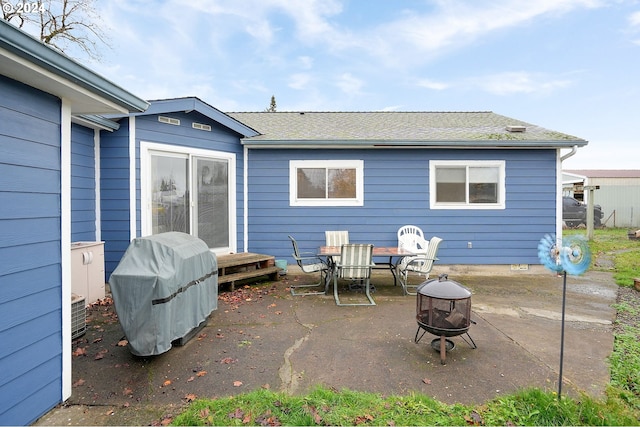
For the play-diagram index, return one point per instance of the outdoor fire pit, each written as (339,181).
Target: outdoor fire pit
(443,308)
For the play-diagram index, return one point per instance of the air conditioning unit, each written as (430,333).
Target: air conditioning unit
(78,316)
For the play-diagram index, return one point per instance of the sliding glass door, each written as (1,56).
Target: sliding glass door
(188,190)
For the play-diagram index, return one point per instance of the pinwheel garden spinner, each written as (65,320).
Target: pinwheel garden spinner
(570,255)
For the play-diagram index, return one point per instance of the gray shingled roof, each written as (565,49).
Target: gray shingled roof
(468,129)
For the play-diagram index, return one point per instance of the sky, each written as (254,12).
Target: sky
(572,66)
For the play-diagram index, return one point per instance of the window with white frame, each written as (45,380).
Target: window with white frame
(326,182)
(473,184)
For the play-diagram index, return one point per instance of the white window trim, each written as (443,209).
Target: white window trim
(358,165)
(500,164)
(145,178)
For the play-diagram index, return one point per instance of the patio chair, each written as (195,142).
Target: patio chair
(310,263)
(410,237)
(419,264)
(336,238)
(356,261)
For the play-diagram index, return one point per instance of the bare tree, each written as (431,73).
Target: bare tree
(62,24)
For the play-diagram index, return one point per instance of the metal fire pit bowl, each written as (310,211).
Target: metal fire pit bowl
(443,308)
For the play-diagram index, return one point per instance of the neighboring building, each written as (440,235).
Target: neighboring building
(618,193)
(44,96)
(485,183)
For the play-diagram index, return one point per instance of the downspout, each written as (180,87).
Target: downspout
(245,189)
(573,151)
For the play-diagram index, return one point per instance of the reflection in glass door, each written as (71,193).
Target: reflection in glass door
(211,201)
(170,199)
(190,191)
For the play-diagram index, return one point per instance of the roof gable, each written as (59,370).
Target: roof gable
(192,103)
(435,129)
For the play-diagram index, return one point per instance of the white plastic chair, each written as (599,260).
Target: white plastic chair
(418,264)
(355,265)
(310,263)
(410,237)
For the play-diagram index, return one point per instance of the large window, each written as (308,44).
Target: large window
(467,184)
(326,182)
(188,190)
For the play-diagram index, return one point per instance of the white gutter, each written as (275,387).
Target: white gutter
(573,151)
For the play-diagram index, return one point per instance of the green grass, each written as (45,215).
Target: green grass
(328,407)
(615,243)
(621,406)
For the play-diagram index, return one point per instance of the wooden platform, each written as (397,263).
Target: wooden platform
(245,265)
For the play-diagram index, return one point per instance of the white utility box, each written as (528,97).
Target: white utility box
(87,270)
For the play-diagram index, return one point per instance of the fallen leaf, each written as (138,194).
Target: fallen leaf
(109,412)
(266,386)
(191,379)
(123,343)
(237,383)
(474,419)
(80,351)
(426,380)
(201,373)
(97,340)
(166,421)
(204,413)
(278,312)
(190,397)
(127,391)
(228,360)
(78,383)
(238,413)
(166,383)
(272,305)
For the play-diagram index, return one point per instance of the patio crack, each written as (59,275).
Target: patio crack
(288,375)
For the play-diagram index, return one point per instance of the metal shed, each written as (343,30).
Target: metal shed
(165,286)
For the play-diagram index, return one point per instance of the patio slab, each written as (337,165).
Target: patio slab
(261,336)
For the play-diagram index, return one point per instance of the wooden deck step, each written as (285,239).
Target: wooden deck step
(245,265)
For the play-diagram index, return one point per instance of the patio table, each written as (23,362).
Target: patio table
(378,251)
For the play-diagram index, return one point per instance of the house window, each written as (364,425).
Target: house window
(188,190)
(326,182)
(467,184)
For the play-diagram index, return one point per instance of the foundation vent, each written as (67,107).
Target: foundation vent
(201,126)
(169,120)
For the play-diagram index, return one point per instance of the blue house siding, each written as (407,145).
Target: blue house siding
(30,272)
(115,171)
(114,194)
(396,192)
(83,184)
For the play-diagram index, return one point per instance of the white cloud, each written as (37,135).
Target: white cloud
(509,83)
(432,84)
(451,25)
(349,84)
(299,81)
(634,19)
(305,62)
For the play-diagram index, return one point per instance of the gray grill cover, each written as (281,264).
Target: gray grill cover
(164,286)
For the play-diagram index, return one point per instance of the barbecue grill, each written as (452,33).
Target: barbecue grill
(443,308)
